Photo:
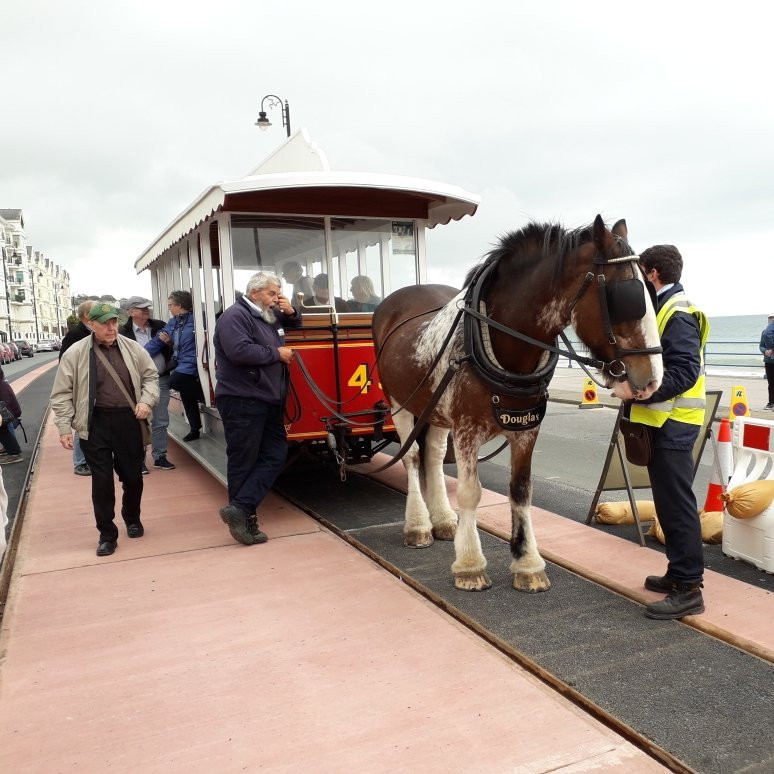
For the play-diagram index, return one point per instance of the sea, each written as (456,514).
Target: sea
(733,346)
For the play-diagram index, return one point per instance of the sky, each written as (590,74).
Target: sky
(117,114)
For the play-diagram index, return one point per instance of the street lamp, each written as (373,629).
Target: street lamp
(274,101)
(57,288)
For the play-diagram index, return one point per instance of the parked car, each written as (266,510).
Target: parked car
(46,345)
(6,353)
(16,354)
(25,347)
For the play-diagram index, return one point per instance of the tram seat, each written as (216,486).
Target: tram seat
(751,540)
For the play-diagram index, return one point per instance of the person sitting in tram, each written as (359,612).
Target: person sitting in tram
(293,273)
(321,295)
(364,298)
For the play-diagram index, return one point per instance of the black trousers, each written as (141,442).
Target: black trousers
(770,377)
(115,443)
(671,479)
(190,389)
(256,448)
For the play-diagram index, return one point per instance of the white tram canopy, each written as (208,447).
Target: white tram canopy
(294,211)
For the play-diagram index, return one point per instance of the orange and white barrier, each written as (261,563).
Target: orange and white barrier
(721,470)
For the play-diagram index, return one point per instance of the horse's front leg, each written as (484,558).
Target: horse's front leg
(469,566)
(417,529)
(442,515)
(527,567)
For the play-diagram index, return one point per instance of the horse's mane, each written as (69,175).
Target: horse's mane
(533,244)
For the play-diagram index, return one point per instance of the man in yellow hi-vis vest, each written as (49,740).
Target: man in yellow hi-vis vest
(675,413)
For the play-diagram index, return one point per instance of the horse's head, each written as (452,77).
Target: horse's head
(615,316)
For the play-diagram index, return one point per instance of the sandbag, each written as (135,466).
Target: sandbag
(711,526)
(748,500)
(621,512)
(656,532)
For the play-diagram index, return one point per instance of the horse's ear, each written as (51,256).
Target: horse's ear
(620,230)
(599,232)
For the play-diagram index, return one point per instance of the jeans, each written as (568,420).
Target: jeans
(256,448)
(78,456)
(160,420)
(8,438)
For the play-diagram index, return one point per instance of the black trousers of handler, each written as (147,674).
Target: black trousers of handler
(115,443)
(190,389)
(769,367)
(256,448)
(671,480)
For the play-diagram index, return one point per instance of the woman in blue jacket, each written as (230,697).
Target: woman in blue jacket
(179,336)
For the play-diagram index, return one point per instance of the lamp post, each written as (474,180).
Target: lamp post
(57,288)
(274,101)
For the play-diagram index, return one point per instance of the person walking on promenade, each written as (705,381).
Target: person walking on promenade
(674,414)
(141,327)
(97,379)
(80,331)
(252,379)
(767,348)
(11,450)
(179,336)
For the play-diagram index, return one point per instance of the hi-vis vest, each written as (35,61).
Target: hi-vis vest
(688,407)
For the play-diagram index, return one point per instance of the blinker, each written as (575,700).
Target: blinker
(625,301)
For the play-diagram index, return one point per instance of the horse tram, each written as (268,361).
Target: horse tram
(347,231)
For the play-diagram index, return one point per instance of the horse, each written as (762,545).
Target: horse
(477,362)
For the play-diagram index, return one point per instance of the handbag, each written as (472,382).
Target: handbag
(638,442)
(144,426)
(6,413)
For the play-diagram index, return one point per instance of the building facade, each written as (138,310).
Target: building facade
(36,291)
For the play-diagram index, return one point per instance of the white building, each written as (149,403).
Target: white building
(35,290)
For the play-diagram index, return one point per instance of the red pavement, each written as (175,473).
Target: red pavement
(186,651)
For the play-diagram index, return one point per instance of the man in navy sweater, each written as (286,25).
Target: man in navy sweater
(251,367)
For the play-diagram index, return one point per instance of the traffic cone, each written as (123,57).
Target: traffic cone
(739,406)
(590,398)
(721,470)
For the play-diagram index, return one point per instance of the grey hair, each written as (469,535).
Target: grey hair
(261,280)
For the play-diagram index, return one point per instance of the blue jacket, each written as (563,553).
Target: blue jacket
(247,361)
(767,342)
(181,330)
(681,341)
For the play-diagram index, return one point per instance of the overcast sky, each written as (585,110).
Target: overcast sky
(118,113)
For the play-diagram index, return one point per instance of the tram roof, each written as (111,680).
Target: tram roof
(319,193)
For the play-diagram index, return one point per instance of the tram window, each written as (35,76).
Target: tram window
(403,255)
(265,243)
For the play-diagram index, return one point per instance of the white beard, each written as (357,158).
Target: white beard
(267,315)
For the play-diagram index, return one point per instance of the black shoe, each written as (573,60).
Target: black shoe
(252,528)
(769,407)
(192,436)
(106,547)
(82,470)
(145,470)
(236,519)
(135,530)
(163,463)
(684,599)
(663,583)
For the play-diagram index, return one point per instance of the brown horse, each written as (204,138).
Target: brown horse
(492,344)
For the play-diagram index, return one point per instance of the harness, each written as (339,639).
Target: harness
(621,301)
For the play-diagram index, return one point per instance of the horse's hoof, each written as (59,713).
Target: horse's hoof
(531,582)
(417,539)
(472,581)
(444,531)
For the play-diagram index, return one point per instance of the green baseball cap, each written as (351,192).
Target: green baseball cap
(103,312)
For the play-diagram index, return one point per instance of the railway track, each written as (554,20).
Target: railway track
(689,700)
